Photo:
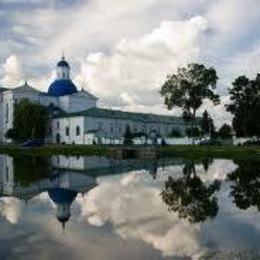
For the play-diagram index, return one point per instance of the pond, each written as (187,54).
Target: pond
(101,208)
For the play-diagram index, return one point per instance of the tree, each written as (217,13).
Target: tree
(225,132)
(128,136)
(193,132)
(189,196)
(245,106)
(189,88)
(175,133)
(207,124)
(30,121)
(245,184)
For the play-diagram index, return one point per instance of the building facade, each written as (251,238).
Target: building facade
(78,119)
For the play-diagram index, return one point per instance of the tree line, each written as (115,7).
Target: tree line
(191,85)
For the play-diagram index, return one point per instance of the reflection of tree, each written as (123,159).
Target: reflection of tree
(189,196)
(30,169)
(206,162)
(245,187)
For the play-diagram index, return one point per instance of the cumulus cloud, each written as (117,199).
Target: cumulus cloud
(124,50)
(12,71)
(133,72)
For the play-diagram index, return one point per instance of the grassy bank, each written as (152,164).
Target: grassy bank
(228,152)
(55,150)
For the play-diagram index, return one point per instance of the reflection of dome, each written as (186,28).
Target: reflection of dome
(63,199)
(62,196)
(62,87)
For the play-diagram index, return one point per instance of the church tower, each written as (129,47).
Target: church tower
(62,85)
(63,69)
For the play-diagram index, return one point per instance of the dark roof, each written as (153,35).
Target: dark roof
(63,63)
(62,87)
(3,89)
(117,114)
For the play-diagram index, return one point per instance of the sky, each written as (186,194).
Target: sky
(121,51)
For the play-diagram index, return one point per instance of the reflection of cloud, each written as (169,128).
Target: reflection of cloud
(133,205)
(11,209)
(218,170)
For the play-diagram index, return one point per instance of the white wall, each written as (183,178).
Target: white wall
(59,127)
(76,102)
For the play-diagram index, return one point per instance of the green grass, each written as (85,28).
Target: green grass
(228,152)
(55,150)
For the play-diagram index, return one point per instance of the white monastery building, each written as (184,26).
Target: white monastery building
(75,116)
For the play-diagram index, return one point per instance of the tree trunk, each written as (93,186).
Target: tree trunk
(193,126)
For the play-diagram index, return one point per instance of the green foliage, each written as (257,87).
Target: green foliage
(189,88)
(193,132)
(175,133)
(225,132)
(128,136)
(11,134)
(245,106)
(207,124)
(30,121)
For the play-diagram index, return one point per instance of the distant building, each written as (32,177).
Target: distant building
(76,119)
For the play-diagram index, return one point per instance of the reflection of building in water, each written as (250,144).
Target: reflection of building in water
(6,174)
(97,166)
(64,177)
(80,162)
(62,186)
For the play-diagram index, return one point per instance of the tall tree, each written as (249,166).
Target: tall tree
(128,136)
(30,121)
(207,124)
(225,131)
(188,88)
(245,106)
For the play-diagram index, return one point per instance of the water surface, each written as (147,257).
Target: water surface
(100,208)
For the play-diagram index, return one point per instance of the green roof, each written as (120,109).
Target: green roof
(117,114)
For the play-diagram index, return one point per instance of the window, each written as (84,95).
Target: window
(111,129)
(58,125)
(77,131)
(67,131)
(120,129)
(100,126)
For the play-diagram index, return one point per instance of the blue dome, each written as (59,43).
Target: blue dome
(62,87)
(63,63)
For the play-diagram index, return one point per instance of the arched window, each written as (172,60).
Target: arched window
(67,131)
(77,131)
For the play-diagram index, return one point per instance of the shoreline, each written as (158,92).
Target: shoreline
(221,152)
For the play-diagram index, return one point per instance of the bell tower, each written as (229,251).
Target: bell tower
(63,69)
